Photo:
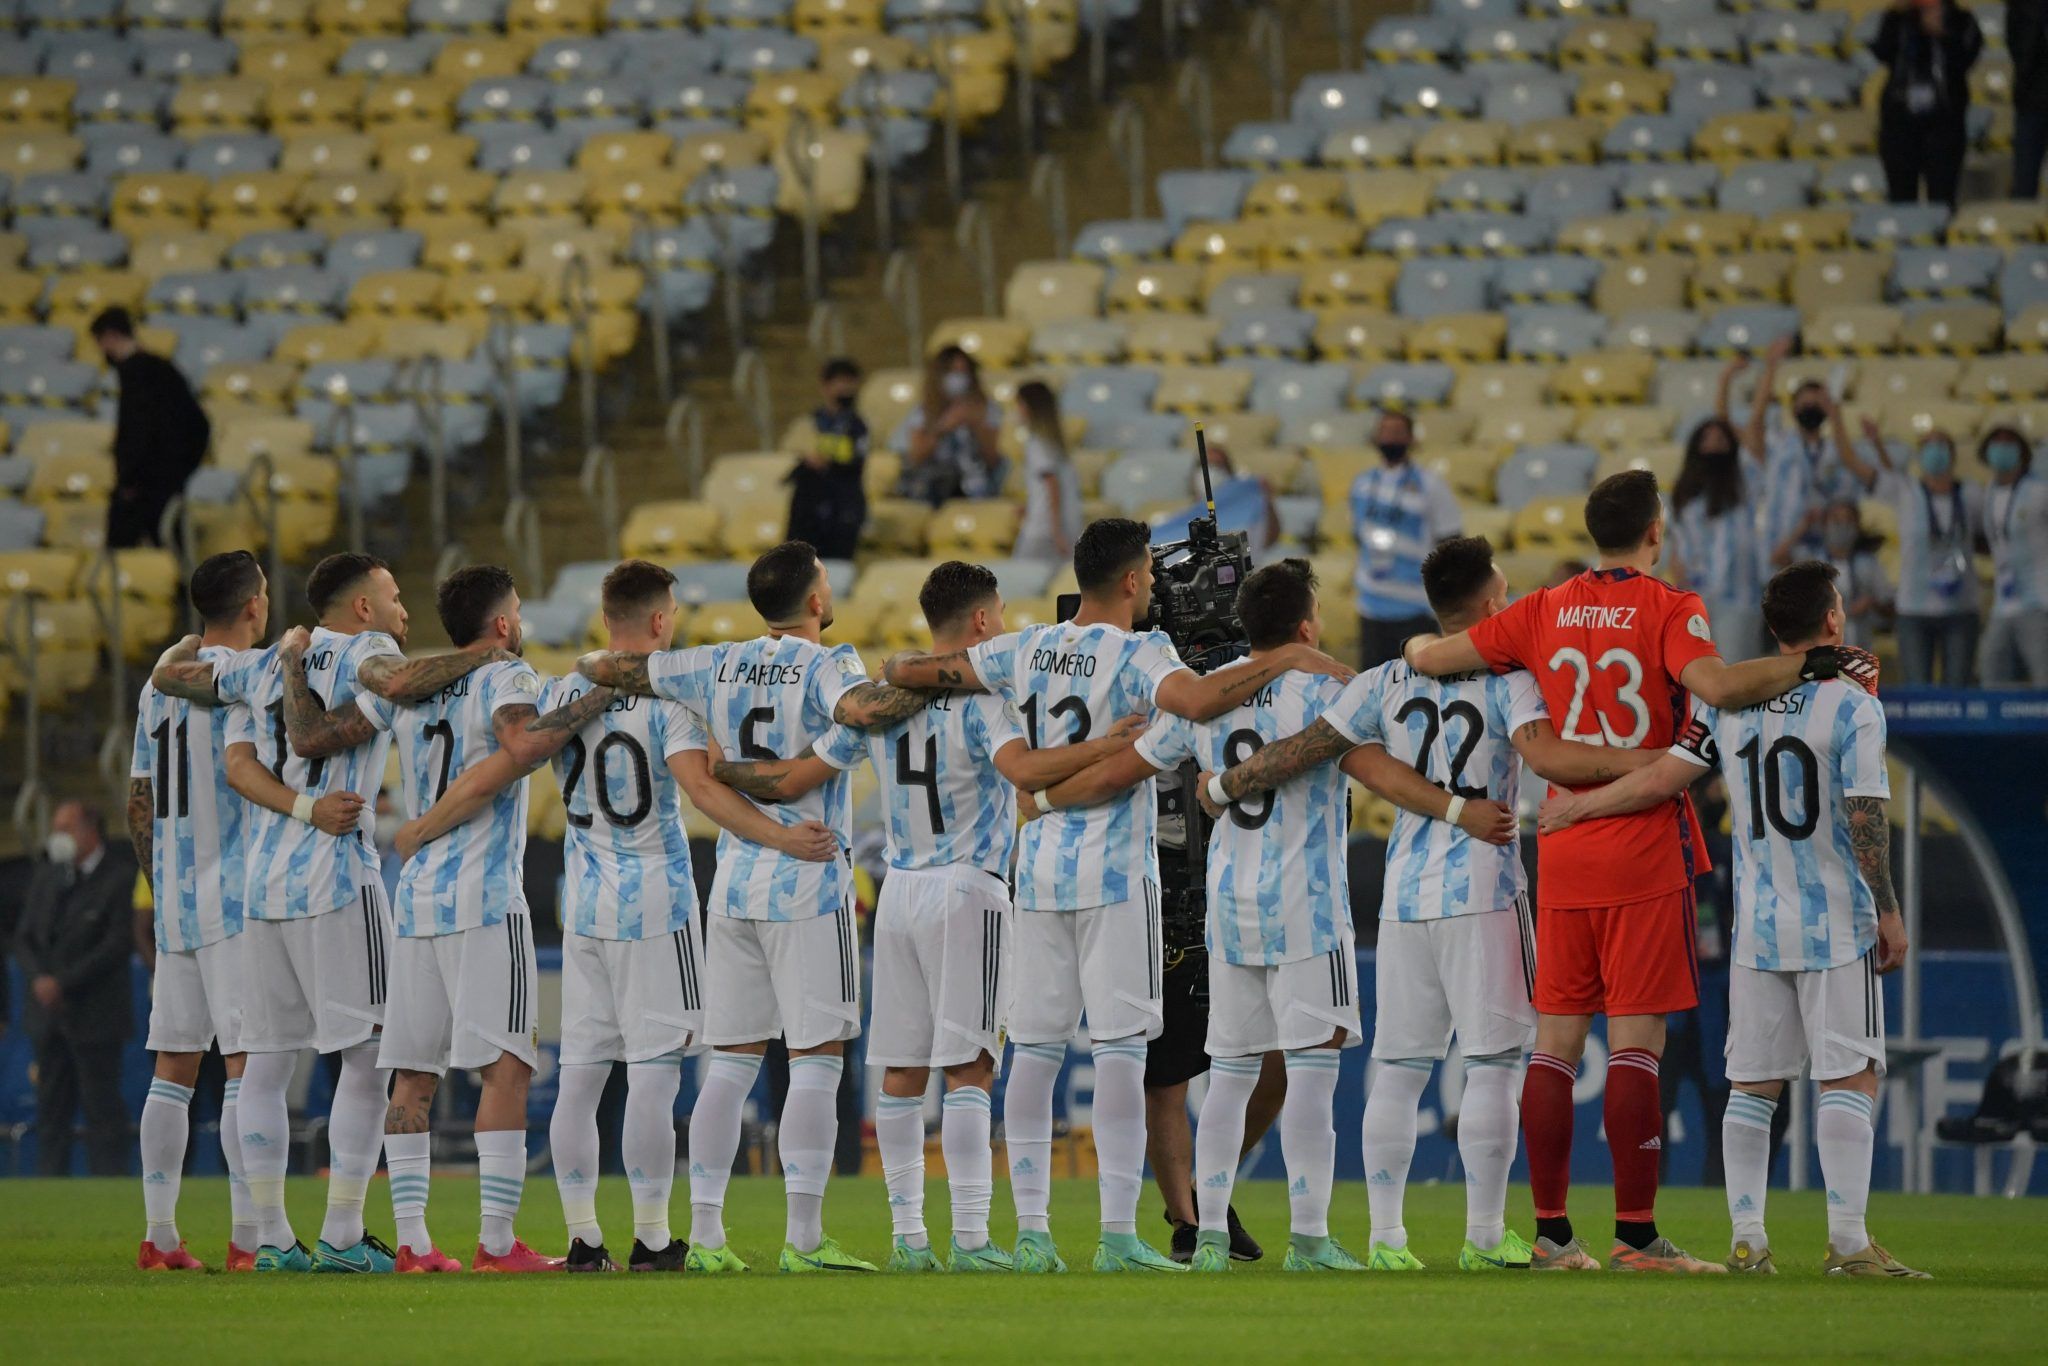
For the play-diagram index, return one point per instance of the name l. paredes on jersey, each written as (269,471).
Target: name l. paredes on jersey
(756,674)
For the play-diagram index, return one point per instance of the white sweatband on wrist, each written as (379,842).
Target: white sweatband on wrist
(1044,805)
(1455,809)
(302,807)
(1216,792)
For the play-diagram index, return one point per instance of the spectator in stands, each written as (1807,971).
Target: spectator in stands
(2026,38)
(1938,517)
(160,432)
(1922,136)
(949,440)
(827,500)
(1866,591)
(1802,467)
(1398,514)
(2015,646)
(1052,486)
(73,946)
(1712,540)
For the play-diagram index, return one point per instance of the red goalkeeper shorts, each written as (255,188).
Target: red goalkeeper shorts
(1638,959)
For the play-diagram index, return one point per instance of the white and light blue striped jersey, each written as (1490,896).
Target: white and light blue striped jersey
(196,833)
(1801,903)
(1798,478)
(1398,512)
(947,803)
(294,869)
(2016,525)
(1457,731)
(471,877)
(626,861)
(1279,890)
(1068,683)
(770,698)
(1937,539)
(1718,550)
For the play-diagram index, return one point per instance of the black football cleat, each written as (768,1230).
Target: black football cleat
(584,1257)
(1243,1247)
(669,1258)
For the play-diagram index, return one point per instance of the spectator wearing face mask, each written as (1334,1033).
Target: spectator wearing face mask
(1399,512)
(1802,466)
(1712,539)
(1938,517)
(949,440)
(1866,592)
(2015,649)
(827,503)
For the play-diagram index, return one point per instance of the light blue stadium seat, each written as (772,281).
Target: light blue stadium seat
(1649,137)
(503,148)
(279,298)
(1699,38)
(29,343)
(1096,392)
(1669,185)
(1767,187)
(699,97)
(584,106)
(1573,9)
(73,247)
(1432,92)
(1080,341)
(681,264)
(740,15)
(1659,11)
(1969,272)
(1509,41)
(454,16)
(1851,180)
(1707,91)
(1570,192)
(121,99)
(23,55)
(353,255)
(699,582)
(1412,38)
(186,56)
(1142,477)
(386,55)
(21,527)
(1524,97)
(497,98)
(1807,83)
(1547,280)
(217,293)
(1122,239)
(1554,470)
(1271,146)
(900,103)
(1747,328)
(129,149)
(1660,331)
(656,56)
(469,397)
(562,616)
(1404,384)
(1295,390)
(49,384)
(1495,235)
(214,485)
(1282,334)
(1432,288)
(1202,196)
(324,387)
(1900,225)
(646,18)
(279,247)
(2023,279)
(1483,189)
(1336,99)
(63,15)
(1553,331)
(206,342)
(61,194)
(744,202)
(1474,11)
(1017,580)
(1818,33)
(225,154)
(540,354)
(751,52)
(1131,431)
(90,53)
(899,12)
(1413,237)
(1254,293)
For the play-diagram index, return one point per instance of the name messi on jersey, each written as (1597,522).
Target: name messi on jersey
(1790,704)
(760,675)
(1590,618)
(1063,664)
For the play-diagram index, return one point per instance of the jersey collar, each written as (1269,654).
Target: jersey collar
(1621,573)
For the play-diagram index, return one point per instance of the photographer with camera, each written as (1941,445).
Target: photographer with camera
(1088,925)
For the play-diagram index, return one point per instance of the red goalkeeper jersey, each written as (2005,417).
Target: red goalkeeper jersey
(1607,648)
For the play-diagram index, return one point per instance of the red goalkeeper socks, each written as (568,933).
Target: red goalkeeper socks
(1547,1131)
(1635,1133)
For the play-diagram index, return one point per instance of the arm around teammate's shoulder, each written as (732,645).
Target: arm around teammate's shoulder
(1672,773)
(1569,763)
(1200,697)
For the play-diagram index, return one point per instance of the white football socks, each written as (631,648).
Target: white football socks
(355,1137)
(970,1165)
(1388,1139)
(1027,1130)
(1487,1123)
(1308,1138)
(899,1134)
(1746,1164)
(500,1177)
(808,1134)
(1219,1137)
(724,1084)
(648,1144)
(410,1160)
(267,1143)
(166,1127)
(572,1141)
(242,1232)
(1845,1133)
(1120,1131)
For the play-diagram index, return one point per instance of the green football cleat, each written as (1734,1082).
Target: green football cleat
(1212,1251)
(1319,1254)
(713,1261)
(826,1256)
(1512,1254)
(1036,1255)
(1127,1252)
(1380,1257)
(368,1256)
(293,1258)
(987,1257)
(904,1257)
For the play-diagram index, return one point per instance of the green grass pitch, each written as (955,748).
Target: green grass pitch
(68,1291)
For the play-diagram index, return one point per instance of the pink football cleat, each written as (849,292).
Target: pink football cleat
(432,1260)
(521,1258)
(238,1260)
(148,1257)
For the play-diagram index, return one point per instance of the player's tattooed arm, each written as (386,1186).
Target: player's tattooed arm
(623,671)
(315,731)
(1870,835)
(1197,697)
(532,739)
(398,679)
(923,669)
(871,706)
(774,780)
(1284,759)
(1569,763)
(142,822)
(811,841)
(180,672)
(467,795)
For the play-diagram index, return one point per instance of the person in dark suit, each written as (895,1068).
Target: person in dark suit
(1928,47)
(160,432)
(74,944)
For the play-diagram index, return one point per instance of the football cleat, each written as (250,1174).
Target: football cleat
(368,1256)
(1182,1246)
(1871,1261)
(419,1263)
(712,1261)
(583,1257)
(826,1256)
(1126,1252)
(1380,1257)
(1512,1254)
(149,1258)
(1545,1255)
(904,1257)
(987,1257)
(1243,1247)
(240,1259)
(1319,1254)
(1748,1257)
(1036,1255)
(670,1258)
(519,1261)
(1211,1252)
(1662,1255)
(293,1258)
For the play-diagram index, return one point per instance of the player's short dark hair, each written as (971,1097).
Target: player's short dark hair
(952,591)
(1797,600)
(839,367)
(634,587)
(1107,550)
(470,597)
(1456,572)
(1275,601)
(1620,509)
(223,584)
(781,579)
(334,576)
(116,320)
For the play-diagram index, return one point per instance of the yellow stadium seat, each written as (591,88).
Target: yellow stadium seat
(996,343)
(327,151)
(1364,281)
(1172,339)
(396,293)
(218,103)
(822,18)
(1608,234)
(1806,230)
(1999,223)
(893,584)
(1051,291)
(1743,277)
(412,338)
(1200,389)
(1553,523)
(726,149)
(313,343)
(717,622)
(670,530)
(1640,282)
(76,296)
(1601,43)
(1705,232)
(1556,142)
(260,384)
(252,202)
(1624,427)
(748,528)
(36,99)
(359,16)
(64,437)
(1836,279)
(482,56)
(778,98)
(424,103)
(1951,330)
(1395,192)
(536,193)
(1829,133)
(1615,92)
(849,56)
(1462,142)
(1915,418)
(1468,469)
(303,56)
(886,398)
(322,102)
(1285,193)
(1338,468)
(73,474)
(554,17)
(19,293)
(1661,457)
(1442,426)
(1155,285)
(1483,388)
(176,253)
(1365,334)
(32,151)
(146,203)
(265,16)
(1852,330)
(2004,379)
(1878,381)
(737,478)
(1307,240)
(1605,377)
(480,291)
(896,526)
(1240,242)
(1504,428)
(1755,136)
(2028,331)
(973,527)
(237,443)
(407,149)
(459,245)
(1458,337)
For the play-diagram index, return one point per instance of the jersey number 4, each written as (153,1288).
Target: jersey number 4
(1629,693)
(926,778)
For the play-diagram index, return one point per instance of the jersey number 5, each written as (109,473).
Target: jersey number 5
(1629,694)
